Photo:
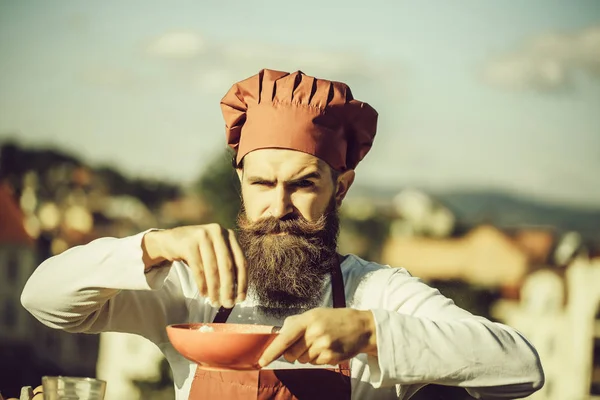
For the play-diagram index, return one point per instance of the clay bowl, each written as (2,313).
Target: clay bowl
(228,347)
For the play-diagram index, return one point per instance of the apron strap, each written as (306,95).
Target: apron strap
(222,315)
(337,285)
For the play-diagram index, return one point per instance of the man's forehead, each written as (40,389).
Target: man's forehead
(282,163)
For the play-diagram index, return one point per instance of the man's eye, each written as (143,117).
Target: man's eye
(262,183)
(304,183)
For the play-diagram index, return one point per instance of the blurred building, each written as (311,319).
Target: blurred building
(125,359)
(18,259)
(424,239)
(189,209)
(57,203)
(485,256)
(421,215)
(547,281)
(80,208)
(29,349)
(560,314)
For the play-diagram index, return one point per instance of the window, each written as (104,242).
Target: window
(12,268)
(50,339)
(9,314)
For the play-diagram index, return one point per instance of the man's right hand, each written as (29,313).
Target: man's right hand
(210,251)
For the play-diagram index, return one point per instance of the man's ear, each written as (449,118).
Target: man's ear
(344,181)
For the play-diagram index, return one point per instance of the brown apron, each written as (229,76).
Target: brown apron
(286,384)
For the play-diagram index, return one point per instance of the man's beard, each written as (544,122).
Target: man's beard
(286,272)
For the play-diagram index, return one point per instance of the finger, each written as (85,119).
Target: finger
(326,357)
(314,349)
(38,393)
(291,331)
(211,272)
(226,268)
(304,358)
(241,266)
(296,350)
(194,262)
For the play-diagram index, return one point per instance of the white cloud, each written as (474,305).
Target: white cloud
(226,63)
(177,45)
(525,72)
(547,62)
(214,66)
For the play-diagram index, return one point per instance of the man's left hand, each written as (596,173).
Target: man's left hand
(27,393)
(324,336)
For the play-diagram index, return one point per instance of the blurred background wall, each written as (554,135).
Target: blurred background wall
(483,180)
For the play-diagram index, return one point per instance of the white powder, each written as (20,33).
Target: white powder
(206,328)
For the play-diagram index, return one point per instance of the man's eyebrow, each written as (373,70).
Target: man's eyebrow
(310,175)
(255,178)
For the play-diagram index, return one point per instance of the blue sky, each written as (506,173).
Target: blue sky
(470,93)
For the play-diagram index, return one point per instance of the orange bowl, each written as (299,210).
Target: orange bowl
(227,346)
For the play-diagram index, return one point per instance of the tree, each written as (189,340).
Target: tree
(219,186)
(152,192)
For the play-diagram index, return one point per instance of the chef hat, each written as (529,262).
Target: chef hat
(275,109)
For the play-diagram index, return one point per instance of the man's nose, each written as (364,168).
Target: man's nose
(281,204)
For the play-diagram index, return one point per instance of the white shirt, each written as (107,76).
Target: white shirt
(422,336)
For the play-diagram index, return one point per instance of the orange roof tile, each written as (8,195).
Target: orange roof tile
(12,229)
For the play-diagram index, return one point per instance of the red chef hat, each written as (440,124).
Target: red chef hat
(275,109)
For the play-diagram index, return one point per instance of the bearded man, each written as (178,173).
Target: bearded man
(369,331)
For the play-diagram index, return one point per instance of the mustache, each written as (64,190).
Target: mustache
(292,225)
